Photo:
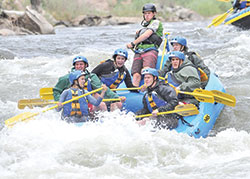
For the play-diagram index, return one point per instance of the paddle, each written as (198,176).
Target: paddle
(47,93)
(28,115)
(38,102)
(199,94)
(164,48)
(183,110)
(224,98)
(219,19)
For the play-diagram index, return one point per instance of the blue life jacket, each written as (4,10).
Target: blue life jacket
(154,102)
(87,85)
(114,79)
(172,80)
(80,106)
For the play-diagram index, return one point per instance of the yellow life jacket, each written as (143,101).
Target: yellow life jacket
(75,105)
(203,75)
(151,102)
(117,81)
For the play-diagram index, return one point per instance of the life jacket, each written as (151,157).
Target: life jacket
(202,74)
(87,85)
(244,4)
(114,79)
(153,101)
(154,41)
(77,108)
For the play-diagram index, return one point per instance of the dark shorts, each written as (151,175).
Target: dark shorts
(147,59)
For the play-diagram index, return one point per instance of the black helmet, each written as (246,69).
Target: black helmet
(149,7)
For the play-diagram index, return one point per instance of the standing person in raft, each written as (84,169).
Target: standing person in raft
(77,111)
(146,43)
(159,97)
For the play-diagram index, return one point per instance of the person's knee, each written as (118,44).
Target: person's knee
(114,106)
(103,106)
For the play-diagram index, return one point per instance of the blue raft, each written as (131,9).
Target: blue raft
(201,124)
(240,19)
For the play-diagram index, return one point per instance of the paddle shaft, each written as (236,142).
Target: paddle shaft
(218,20)
(13,120)
(183,110)
(164,48)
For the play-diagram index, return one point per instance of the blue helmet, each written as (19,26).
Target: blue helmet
(75,75)
(151,71)
(176,54)
(80,59)
(121,52)
(179,40)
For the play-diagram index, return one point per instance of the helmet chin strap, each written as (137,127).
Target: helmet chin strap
(152,82)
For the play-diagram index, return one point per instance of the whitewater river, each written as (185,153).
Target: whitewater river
(118,148)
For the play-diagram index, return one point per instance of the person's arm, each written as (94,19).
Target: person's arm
(97,101)
(191,79)
(99,69)
(128,81)
(169,95)
(144,110)
(61,100)
(96,83)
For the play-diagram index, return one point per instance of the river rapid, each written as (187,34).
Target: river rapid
(118,148)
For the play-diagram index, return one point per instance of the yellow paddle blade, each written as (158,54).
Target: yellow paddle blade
(46,93)
(26,116)
(20,117)
(224,98)
(183,110)
(219,19)
(200,95)
(37,102)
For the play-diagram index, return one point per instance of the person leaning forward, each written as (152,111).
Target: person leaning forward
(92,82)
(183,76)
(146,43)
(159,97)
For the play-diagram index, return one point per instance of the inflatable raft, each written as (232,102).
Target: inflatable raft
(196,125)
(240,19)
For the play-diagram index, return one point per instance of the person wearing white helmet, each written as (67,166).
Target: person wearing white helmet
(159,97)
(77,111)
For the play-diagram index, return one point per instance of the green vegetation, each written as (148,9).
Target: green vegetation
(69,9)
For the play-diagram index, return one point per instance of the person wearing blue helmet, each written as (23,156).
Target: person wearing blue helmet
(92,81)
(113,72)
(183,76)
(147,41)
(77,111)
(159,97)
(180,44)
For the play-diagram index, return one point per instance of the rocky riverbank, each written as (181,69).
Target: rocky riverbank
(30,21)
